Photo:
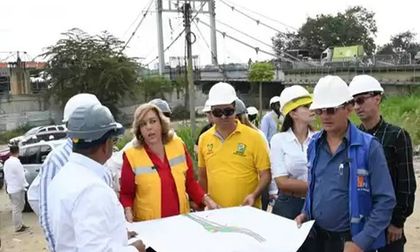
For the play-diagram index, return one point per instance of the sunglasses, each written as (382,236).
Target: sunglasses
(361,99)
(329,111)
(217,112)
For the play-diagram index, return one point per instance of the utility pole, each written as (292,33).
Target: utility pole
(186,10)
(213,38)
(160,36)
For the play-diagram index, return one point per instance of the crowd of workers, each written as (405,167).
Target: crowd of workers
(356,182)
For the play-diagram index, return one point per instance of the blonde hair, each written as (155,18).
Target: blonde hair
(141,111)
(243,118)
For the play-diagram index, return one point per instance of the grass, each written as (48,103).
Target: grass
(404,111)
(5,136)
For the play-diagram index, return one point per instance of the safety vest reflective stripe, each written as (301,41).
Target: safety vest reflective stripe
(147,205)
(144,170)
(177,160)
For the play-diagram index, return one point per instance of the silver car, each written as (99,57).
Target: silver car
(32,156)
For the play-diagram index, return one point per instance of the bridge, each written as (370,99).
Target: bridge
(397,78)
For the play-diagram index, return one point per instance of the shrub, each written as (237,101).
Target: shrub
(180,113)
(5,136)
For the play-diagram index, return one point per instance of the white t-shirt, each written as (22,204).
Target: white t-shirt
(288,156)
(14,175)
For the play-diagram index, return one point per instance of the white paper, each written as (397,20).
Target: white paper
(229,229)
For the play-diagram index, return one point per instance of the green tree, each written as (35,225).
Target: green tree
(94,64)
(260,72)
(355,26)
(403,42)
(155,86)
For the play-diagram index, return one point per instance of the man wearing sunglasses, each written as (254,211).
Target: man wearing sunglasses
(233,159)
(350,192)
(367,93)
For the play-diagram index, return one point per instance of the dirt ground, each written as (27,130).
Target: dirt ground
(33,240)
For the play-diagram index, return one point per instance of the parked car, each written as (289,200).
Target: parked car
(39,133)
(43,136)
(32,156)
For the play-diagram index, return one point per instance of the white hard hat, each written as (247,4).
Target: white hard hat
(364,83)
(330,91)
(294,97)
(252,110)
(221,93)
(240,107)
(207,107)
(83,99)
(274,99)
(162,105)
(90,123)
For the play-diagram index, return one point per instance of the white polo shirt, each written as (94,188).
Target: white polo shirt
(14,175)
(288,155)
(85,214)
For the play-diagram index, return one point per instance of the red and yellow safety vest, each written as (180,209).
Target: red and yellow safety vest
(147,202)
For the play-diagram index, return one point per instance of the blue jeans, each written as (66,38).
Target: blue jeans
(288,206)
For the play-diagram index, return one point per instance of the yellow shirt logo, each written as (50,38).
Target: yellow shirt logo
(240,149)
(209,148)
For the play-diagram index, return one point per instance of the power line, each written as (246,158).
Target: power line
(179,35)
(261,15)
(224,34)
(208,47)
(138,26)
(169,46)
(136,19)
(248,16)
(244,33)
(213,55)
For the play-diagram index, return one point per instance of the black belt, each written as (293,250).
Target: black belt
(331,235)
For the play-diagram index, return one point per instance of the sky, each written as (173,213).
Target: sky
(31,26)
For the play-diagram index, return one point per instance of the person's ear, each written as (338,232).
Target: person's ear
(378,99)
(292,114)
(104,146)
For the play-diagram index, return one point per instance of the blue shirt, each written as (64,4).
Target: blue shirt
(330,201)
(269,124)
(51,166)
(331,188)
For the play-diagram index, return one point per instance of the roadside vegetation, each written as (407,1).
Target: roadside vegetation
(5,136)
(403,111)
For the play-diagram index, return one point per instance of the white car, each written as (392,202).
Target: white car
(32,156)
(46,133)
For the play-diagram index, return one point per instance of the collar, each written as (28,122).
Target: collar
(91,165)
(239,128)
(292,137)
(375,129)
(349,133)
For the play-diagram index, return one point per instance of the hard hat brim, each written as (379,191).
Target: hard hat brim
(93,135)
(295,104)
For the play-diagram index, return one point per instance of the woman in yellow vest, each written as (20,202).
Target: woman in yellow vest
(157,177)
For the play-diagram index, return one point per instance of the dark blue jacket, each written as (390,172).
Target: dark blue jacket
(369,214)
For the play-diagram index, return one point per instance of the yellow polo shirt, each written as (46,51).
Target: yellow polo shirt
(233,164)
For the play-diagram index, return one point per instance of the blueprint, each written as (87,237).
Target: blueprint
(229,229)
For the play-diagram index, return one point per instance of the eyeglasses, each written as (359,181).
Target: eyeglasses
(329,111)
(218,112)
(361,99)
